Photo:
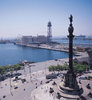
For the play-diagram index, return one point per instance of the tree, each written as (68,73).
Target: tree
(16,67)
(77,67)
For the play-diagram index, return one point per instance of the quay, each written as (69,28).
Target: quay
(61,48)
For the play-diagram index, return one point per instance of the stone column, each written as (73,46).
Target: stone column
(70,36)
(70,77)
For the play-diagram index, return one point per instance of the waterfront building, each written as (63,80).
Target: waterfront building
(42,39)
(80,37)
(34,39)
(26,40)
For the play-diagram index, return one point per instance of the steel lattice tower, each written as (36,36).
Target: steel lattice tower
(49,31)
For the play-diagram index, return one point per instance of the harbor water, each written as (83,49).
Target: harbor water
(81,43)
(13,54)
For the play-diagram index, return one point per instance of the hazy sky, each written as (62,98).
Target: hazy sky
(30,17)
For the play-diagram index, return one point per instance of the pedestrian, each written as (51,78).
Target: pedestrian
(34,97)
(80,81)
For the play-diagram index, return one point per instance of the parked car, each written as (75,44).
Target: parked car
(18,74)
(51,76)
(90,76)
(16,78)
(79,74)
(47,81)
(83,77)
(15,87)
(61,75)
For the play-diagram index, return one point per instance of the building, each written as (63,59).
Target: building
(26,40)
(80,37)
(34,39)
(42,39)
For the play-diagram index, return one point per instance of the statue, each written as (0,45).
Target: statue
(71,29)
(71,18)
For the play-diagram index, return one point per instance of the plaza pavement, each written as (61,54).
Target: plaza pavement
(42,92)
(38,73)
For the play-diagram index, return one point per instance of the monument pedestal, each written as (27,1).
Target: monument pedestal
(71,93)
(70,80)
(70,87)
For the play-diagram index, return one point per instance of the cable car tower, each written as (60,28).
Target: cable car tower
(49,32)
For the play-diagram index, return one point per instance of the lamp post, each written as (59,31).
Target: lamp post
(10,78)
(30,70)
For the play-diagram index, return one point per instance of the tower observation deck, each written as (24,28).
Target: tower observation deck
(49,32)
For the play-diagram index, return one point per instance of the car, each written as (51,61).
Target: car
(83,77)
(15,87)
(61,75)
(79,74)
(51,76)
(18,74)
(90,76)
(47,81)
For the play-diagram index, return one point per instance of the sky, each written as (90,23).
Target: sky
(30,17)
